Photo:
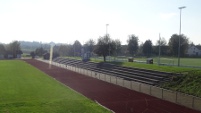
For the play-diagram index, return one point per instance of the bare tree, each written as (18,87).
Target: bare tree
(105,46)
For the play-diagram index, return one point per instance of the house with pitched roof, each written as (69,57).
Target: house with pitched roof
(194,50)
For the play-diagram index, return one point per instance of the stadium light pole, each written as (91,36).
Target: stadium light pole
(107,37)
(180,8)
(159,52)
(51,54)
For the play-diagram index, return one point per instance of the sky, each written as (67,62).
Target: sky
(64,21)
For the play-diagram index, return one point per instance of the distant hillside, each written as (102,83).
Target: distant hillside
(27,46)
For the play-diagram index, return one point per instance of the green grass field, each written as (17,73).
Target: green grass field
(194,62)
(25,89)
(155,66)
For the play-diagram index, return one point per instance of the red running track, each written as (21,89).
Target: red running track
(116,98)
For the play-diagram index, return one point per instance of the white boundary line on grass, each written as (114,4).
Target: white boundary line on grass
(104,106)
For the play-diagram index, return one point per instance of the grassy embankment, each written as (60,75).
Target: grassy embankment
(189,83)
(25,89)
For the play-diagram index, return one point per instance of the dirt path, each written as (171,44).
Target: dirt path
(116,98)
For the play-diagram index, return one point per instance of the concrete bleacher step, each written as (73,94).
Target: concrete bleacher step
(132,74)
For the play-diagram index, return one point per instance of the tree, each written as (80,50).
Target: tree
(140,50)
(70,50)
(14,48)
(132,44)
(191,44)
(123,51)
(163,47)
(104,46)
(89,45)
(2,49)
(77,48)
(40,51)
(63,50)
(174,44)
(32,54)
(161,42)
(147,48)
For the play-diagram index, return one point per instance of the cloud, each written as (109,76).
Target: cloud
(167,16)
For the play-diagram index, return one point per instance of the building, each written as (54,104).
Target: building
(1,56)
(10,56)
(19,55)
(194,50)
(46,56)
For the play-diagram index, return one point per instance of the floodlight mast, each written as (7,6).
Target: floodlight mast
(51,54)
(159,53)
(180,8)
(107,37)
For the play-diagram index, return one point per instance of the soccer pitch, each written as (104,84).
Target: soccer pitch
(25,89)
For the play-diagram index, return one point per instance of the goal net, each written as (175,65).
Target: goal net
(166,61)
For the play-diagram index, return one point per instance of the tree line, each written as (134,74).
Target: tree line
(106,46)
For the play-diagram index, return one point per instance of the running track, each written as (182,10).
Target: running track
(116,98)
